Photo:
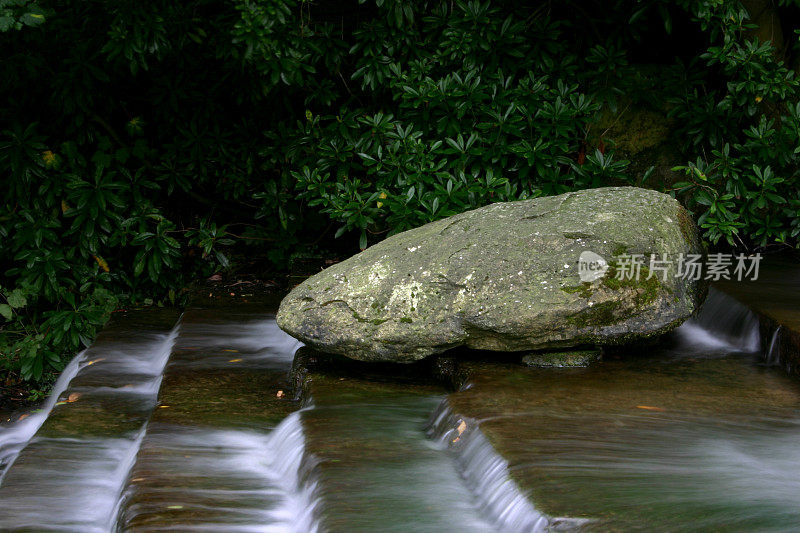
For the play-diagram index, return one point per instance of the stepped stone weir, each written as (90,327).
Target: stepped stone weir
(506,277)
(191,424)
(196,428)
(70,474)
(216,454)
(698,433)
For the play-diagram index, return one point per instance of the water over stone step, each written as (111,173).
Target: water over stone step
(697,431)
(692,435)
(69,475)
(773,297)
(212,456)
(375,467)
(215,441)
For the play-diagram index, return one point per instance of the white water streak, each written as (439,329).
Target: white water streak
(14,438)
(722,325)
(485,474)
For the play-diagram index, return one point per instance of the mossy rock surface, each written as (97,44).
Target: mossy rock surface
(503,277)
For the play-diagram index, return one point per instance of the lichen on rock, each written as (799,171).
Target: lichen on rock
(503,277)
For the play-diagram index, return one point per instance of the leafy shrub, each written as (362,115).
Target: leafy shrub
(744,183)
(16,14)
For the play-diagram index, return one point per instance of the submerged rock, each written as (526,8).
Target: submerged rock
(569,359)
(506,277)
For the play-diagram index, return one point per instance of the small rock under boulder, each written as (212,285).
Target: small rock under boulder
(505,277)
(570,359)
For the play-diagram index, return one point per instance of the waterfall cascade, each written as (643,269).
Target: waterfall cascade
(773,355)
(486,474)
(724,324)
(14,437)
(70,473)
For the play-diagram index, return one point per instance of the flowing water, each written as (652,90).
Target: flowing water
(16,436)
(68,476)
(189,424)
(375,466)
(722,325)
(486,475)
(696,434)
(222,451)
(773,352)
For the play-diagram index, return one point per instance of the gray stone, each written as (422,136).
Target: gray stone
(570,359)
(504,277)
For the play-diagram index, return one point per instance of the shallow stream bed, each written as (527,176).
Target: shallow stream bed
(192,424)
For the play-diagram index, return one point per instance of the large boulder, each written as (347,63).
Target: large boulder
(506,277)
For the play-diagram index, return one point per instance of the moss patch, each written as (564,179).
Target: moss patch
(619,249)
(584,289)
(687,225)
(602,314)
(373,321)
(634,129)
(646,286)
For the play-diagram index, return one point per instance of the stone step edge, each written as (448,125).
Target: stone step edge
(787,341)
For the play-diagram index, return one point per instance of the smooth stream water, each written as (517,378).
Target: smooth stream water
(14,437)
(68,476)
(697,434)
(188,424)
(375,466)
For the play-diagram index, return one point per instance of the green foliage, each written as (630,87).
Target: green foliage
(16,14)
(744,185)
(35,340)
(142,144)
(81,240)
(466,110)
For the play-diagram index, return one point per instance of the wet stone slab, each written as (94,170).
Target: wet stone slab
(374,465)
(236,397)
(658,442)
(207,458)
(188,478)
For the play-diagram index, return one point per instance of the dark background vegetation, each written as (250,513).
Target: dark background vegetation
(145,144)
